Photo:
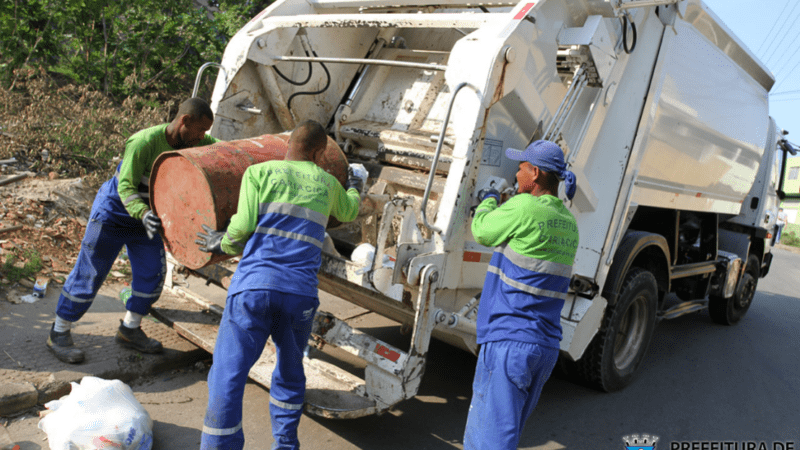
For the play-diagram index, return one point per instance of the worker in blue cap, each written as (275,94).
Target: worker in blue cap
(519,327)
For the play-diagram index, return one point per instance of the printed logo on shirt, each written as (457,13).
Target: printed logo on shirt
(296,187)
(559,232)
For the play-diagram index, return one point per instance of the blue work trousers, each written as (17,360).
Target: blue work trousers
(508,381)
(250,317)
(100,247)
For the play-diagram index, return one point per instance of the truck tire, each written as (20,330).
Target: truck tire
(728,311)
(618,348)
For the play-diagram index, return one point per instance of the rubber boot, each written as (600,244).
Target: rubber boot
(61,345)
(135,338)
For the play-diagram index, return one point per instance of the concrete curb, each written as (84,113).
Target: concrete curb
(30,376)
(17,397)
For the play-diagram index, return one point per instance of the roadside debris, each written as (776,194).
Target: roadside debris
(40,287)
(42,222)
(97,414)
(6,443)
(12,179)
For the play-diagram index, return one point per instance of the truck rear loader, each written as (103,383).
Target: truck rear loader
(662,114)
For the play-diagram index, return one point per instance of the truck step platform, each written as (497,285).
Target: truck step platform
(331,392)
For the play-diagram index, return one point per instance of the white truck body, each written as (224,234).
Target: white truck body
(671,138)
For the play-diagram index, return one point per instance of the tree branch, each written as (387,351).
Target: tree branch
(161,72)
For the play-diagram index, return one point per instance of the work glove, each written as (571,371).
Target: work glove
(210,241)
(353,180)
(485,193)
(151,223)
(494,187)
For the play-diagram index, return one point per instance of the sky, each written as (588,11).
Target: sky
(771,30)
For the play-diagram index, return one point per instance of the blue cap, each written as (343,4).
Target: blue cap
(549,157)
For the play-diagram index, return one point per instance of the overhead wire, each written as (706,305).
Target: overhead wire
(781,70)
(788,60)
(785,92)
(780,83)
(789,94)
(780,29)
(773,29)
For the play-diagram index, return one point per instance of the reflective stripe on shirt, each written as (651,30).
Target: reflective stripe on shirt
(526,288)
(233,240)
(290,235)
(289,209)
(145,180)
(533,264)
(140,195)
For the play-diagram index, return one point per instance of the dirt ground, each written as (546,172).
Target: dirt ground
(45,217)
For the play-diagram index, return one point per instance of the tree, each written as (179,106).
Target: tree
(118,47)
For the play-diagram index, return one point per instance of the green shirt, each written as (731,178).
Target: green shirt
(300,183)
(537,227)
(529,274)
(141,151)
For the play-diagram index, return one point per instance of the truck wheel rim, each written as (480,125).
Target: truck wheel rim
(630,333)
(748,291)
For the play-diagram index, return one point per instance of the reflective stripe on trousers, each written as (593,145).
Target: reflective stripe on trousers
(100,246)
(250,317)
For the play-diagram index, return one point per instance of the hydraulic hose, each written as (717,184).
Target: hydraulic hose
(327,84)
(625,34)
(296,83)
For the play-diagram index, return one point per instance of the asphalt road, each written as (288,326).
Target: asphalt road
(699,382)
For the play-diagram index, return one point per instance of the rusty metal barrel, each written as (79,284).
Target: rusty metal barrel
(196,186)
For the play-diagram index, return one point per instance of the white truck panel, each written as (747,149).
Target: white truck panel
(605,159)
(706,129)
(709,25)
(601,161)
(760,208)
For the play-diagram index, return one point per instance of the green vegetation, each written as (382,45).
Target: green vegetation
(80,129)
(791,235)
(121,48)
(26,265)
(77,77)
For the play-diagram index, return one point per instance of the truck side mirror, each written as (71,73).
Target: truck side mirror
(787,147)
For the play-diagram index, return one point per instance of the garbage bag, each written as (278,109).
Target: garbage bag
(97,414)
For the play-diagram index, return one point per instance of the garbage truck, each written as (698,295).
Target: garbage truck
(662,114)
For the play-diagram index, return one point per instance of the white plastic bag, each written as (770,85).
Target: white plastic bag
(361,172)
(97,414)
(363,256)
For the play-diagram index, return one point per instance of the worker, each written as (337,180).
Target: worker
(780,222)
(518,325)
(121,215)
(279,226)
